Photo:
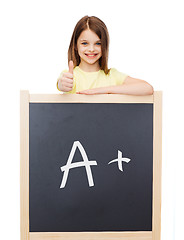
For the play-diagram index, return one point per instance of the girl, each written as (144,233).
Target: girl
(88,64)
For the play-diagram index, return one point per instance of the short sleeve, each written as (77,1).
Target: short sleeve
(118,77)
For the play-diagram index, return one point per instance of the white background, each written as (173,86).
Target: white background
(146,42)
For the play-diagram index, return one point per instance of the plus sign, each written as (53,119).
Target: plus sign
(120,160)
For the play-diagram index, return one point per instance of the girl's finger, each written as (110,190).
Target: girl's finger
(70,85)
(67,89)
(83,92)
(71,66)
(68,75)
(67,80)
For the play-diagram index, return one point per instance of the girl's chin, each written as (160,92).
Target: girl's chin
(90,66)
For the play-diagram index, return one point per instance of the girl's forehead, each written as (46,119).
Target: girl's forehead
(88,35)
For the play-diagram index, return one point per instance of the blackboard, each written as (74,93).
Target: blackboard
(120,198)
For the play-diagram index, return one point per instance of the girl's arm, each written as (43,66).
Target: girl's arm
(131,86)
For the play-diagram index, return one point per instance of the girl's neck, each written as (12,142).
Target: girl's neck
(89,68)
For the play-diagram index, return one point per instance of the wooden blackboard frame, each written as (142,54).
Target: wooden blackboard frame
(25,99)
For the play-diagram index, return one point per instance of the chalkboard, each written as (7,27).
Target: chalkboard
(114,193)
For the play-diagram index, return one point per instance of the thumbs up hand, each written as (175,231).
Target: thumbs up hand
(65,81)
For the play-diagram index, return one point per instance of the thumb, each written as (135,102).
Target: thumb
(70,66)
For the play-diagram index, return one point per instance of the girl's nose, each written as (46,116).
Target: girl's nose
(91,47)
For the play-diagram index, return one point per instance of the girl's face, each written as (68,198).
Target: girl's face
(89,50)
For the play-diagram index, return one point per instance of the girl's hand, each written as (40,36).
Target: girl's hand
(65,82)
(101,90)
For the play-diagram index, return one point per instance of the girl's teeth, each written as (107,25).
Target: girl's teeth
(91,55)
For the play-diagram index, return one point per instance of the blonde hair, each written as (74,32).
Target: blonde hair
(98,26)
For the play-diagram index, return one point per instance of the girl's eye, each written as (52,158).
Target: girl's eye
(84,43)
(98,43)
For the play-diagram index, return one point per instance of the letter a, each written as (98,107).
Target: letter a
(85,163)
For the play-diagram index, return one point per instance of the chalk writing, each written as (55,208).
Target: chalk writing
(120,160)
(85,163)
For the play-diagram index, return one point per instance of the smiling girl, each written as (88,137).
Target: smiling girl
(88,64)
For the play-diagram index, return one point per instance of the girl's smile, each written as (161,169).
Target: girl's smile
(89,50)
(91,55)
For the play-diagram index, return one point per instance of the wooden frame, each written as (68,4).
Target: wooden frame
(25,99)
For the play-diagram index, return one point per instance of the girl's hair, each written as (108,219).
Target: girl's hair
(96,25)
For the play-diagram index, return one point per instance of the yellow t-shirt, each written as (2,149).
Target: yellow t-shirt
(87,80)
